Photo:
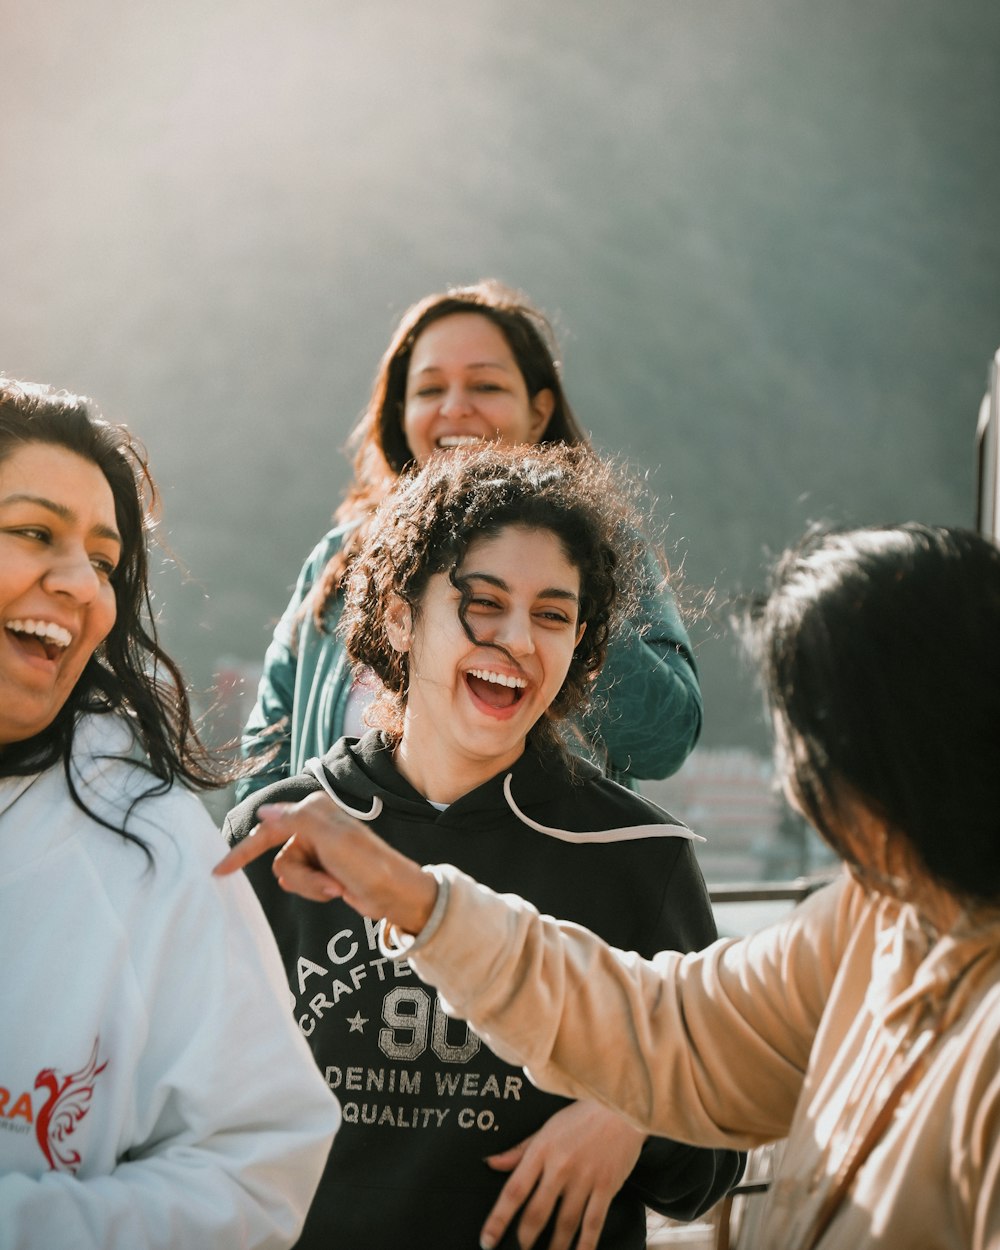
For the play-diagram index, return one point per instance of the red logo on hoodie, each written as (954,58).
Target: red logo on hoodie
(67,1103)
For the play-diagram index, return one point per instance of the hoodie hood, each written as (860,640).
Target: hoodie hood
(360,776)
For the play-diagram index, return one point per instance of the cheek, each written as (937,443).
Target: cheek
(560,658)
(105,615)
(415,422)
(514,424)
(416,413)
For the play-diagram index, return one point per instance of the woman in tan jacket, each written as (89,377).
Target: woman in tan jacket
(866,1027)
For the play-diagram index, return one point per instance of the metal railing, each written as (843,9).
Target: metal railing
(766,891)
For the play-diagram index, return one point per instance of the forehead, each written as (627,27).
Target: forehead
(523,557)
(61,476)
(463,338)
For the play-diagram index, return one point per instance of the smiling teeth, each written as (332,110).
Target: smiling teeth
(43,629)
(498,679)
(459,440)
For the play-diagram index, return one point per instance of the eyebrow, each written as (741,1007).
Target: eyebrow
(63,513)
(550,592)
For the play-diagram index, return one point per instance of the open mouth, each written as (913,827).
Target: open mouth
(40,638)
(496,690)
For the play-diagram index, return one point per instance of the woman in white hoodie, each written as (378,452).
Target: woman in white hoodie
(865,1027)
(153,1090)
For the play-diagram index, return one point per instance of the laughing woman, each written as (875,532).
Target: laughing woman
(133,1113)
(468,366)
(483,601)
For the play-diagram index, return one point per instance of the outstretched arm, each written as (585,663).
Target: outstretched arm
(327,854)
(687,1031)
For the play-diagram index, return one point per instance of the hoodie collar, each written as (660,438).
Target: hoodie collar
(360,776)
(362,769)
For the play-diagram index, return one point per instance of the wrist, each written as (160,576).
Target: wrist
(408,929)
(418,895)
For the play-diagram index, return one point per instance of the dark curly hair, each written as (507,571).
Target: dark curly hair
(382,452)
(129,672)
(880,655)
(426,525)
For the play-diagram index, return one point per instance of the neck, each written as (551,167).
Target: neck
(442,775)
(936,906)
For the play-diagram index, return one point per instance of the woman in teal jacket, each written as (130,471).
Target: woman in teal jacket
(474,364)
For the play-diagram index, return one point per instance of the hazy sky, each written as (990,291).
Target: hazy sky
(767,235)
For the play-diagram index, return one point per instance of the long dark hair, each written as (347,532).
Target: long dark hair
(428,522)
(129,672)
(880,653)
(382,452)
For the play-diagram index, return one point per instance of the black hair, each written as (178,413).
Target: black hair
(429,521)
(129,672)
(880,656)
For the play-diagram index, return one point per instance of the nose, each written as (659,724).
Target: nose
(455,402)
(516,634)
(72,574)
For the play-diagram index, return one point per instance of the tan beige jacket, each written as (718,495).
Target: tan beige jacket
(804,1030)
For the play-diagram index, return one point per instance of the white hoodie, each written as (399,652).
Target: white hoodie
(154,1091)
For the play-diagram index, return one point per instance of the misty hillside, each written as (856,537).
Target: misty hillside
(767,235)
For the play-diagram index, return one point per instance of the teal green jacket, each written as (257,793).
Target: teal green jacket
(646,710)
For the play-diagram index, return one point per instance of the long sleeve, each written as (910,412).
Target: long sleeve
(647,704)
(269,728)
(200,1117)
(803,1030)
(709,1048)
(674,1179)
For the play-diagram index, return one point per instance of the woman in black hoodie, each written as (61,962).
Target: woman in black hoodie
(482,605)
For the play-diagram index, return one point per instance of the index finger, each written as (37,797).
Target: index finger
(516,1191)
(267,834)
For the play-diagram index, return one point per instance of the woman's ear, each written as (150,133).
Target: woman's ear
(542,407)
(579,635)
(398,623)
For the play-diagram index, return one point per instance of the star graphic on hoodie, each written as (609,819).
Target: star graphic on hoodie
(357,1023)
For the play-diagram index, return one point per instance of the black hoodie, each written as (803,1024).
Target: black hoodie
(424,1099)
